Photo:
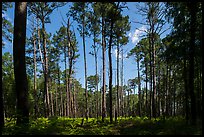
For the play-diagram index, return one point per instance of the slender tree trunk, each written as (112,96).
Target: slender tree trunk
(104,71)
(70,70)
(146,70)
(61,104)
(122,99)
(128,103)
(174,94)
(186,89)
(85,68)
(150,98)
(58,90)
(41,56)
(42,63)
(66,83)
(117,97)
(192,7)
(35,80)
(167,92)
(45,71)
(74,101)
(153,73)
(163,100)
(19,63)
(52,104)
(110,69)
(139,87)
(159,89)
(96,64)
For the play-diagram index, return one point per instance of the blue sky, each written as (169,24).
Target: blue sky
(130,70)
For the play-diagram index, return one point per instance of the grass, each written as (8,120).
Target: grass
(124,126)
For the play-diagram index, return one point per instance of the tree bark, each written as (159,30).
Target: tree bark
(46,92)
(110,69)
(139,87)
(146,70)
(150,84)
(85,68)
(192,7)
(122,99)
(104,71)
(117,68)
(96,69)
(20,64)
(35,80)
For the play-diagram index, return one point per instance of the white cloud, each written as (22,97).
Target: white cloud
(135,36)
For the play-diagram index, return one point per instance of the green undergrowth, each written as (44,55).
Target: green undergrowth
(123,126)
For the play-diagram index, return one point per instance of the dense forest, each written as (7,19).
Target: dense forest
(41,94)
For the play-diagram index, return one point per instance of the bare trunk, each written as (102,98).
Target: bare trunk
(41,56)
(117,97)
(139,87)
(96,64)
(146,103)
(66,83)
(153,72)
(35,80)
(122,92)
(104,72)
(85,69)
(20,64)
(74,101)
(192,7)
(159,90)
(150,98)
(47,101)
(174,94)
(52,104)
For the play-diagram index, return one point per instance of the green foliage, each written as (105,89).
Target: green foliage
(124,126)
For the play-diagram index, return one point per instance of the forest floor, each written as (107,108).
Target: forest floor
(124,126)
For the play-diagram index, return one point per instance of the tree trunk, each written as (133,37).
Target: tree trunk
(66,83)
(35,80)
(192,7)
(110,68)
(69,72)
(128,103)
(139,87)
(58,90)
(146,103)
(153,73)
(122,99)
(174,94)
(150,86)
(117,97)
(41,57)
(19,63)
(85,68)
(52,104)
(159,90)
(167,92)
(74,101)
(96,64)
(47,101)
(104,71)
